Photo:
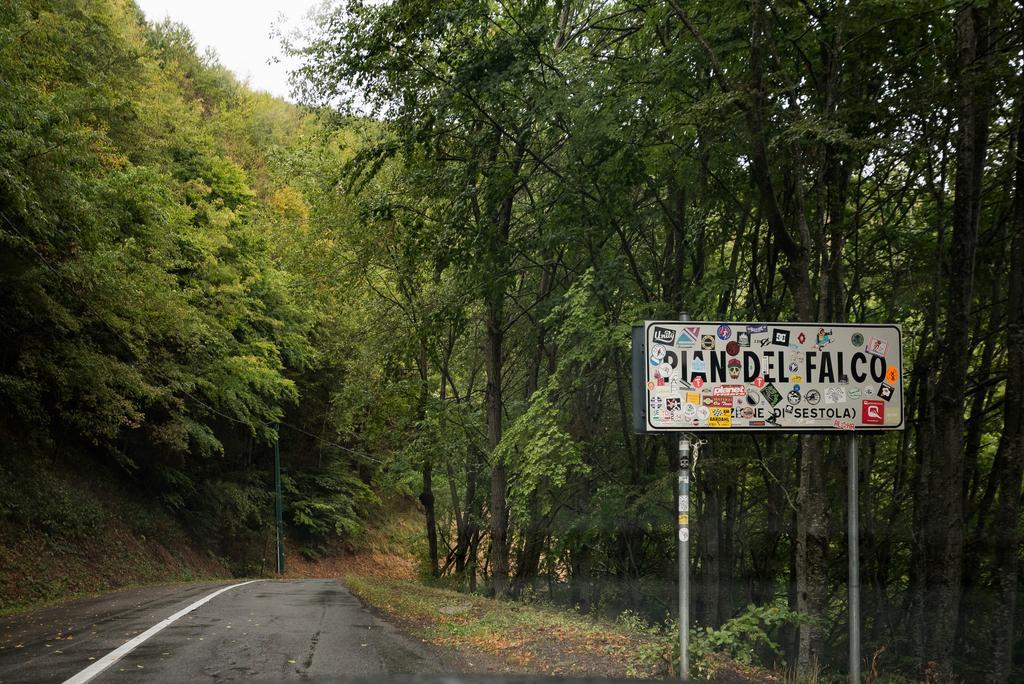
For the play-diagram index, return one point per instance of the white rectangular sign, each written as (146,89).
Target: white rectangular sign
(773,376)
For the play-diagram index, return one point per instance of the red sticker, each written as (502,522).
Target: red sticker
(698,382)
(759,382)
(872,412)
(732,348)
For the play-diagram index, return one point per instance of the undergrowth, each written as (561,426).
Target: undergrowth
(548,640)
(71,529)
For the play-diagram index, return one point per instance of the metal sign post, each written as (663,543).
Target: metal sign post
(684,557)
(684,550)
(761,376)
(853,551)
(278,512)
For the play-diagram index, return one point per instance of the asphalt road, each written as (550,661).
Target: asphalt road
(267,630)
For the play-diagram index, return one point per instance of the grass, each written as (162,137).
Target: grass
(496,635)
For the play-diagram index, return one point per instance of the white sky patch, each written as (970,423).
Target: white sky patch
(242,32)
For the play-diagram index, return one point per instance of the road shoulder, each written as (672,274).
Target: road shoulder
(57,641)
(487,636)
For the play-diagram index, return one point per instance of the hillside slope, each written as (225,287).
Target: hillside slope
(77,528)
(158,329)
(392,544)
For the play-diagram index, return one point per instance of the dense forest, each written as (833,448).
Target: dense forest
(422,282)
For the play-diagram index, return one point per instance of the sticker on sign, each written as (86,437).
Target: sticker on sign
(783,377)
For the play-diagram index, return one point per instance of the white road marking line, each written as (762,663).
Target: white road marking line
(129,646)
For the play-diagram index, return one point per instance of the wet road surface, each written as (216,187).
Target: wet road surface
(266,630)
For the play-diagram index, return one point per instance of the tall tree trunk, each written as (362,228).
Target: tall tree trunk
(471,517)
(727,552)
(977,509)
(708,537)
(811,553)
(494,365)
(534,537)
(1005,563)
(427,493)
(811,539)
(535,531)
(940,506)
(499,476)
(474,553)
(764,558)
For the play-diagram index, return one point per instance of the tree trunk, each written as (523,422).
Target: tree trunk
(939,504)
(812,519)
(707,598)
(494,364)
(427,493)
(535,531)
(499,477)
(764,558)
(811,553)
(1005,563)
(727,553)
(811,527)
(528,562)
(427,499)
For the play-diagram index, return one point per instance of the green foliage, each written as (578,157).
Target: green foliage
(137,291)
(185,264)
(330,503)
(141,285)
(742,637)
(542,176)
(541,453)
(34,496)
(233,505)
(749,638)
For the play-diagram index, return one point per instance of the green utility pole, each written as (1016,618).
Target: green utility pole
(277,502)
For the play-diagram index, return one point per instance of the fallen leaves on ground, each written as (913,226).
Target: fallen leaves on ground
(523,638)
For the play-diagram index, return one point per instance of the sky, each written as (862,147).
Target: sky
(239,31)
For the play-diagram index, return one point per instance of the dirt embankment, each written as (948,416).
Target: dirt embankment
(73,529)
(390,545)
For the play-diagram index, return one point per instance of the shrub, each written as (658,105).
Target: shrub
(738,640)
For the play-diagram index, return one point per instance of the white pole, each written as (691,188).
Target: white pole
(684,557)
(853,551)
(684,549)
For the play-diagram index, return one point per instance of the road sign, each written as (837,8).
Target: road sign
(790,377)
